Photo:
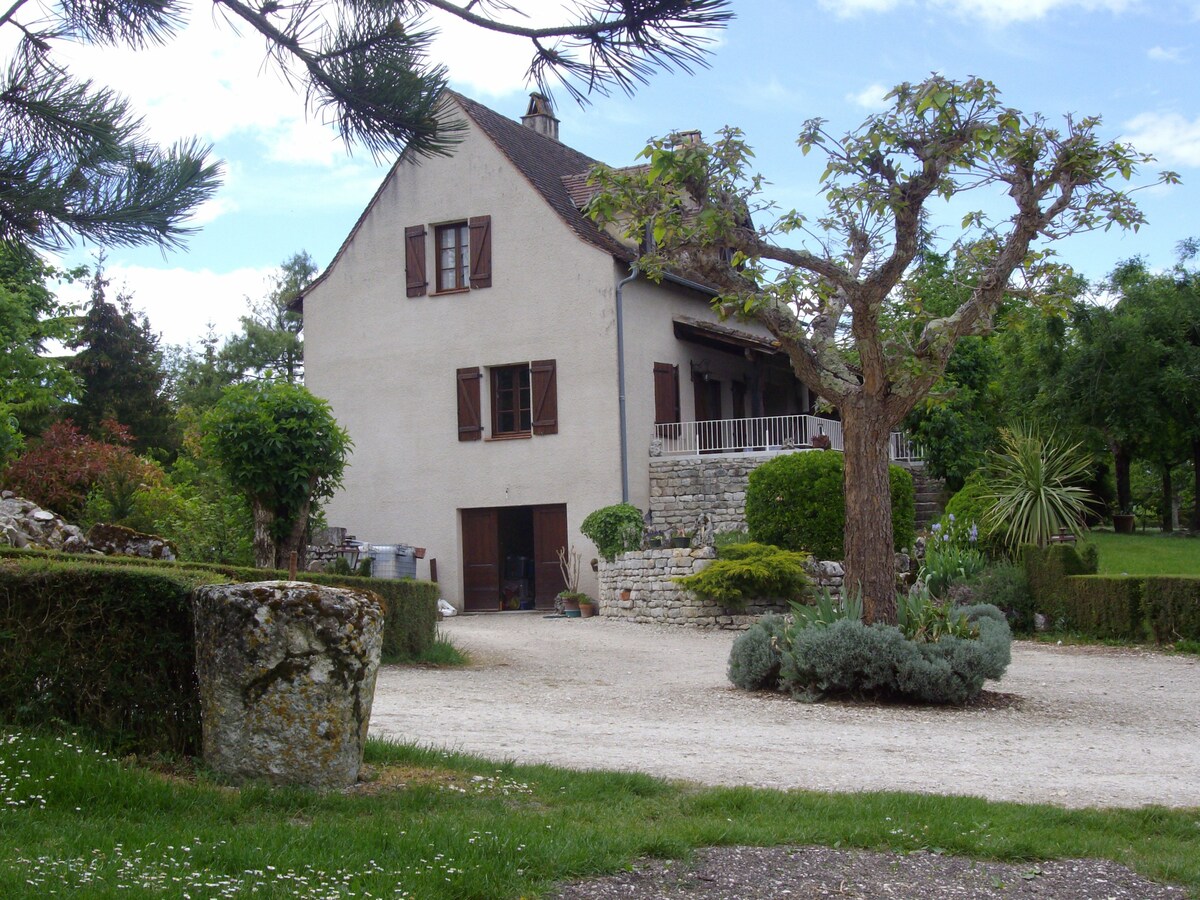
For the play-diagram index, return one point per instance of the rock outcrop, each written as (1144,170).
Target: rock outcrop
(25,524)
(287,677)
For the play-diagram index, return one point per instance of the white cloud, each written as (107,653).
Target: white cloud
(994,12)
(1165,54)
(179,303)
(871,97)
(1004,12)
(1172,138)
(847,8)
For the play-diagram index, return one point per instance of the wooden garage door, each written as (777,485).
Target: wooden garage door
(549,534)
(481,559)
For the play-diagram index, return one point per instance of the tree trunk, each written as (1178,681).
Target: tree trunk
(1196,489)
(264,543)
(870,564)
(297,540)
(1121,461)
(1168,524)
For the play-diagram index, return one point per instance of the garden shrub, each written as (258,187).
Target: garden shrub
(848,657)
(951,555)
(410,607)
(797,501)
(614,529)
(1005,586)
(1105,606)
(1047,569)
(105,647)
(1172,607)
(749,571)
(756,655)
(971,505)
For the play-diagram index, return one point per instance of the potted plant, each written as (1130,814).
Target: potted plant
(654,539)
(569,599)
(1124,521)
(680,537)
(587,606)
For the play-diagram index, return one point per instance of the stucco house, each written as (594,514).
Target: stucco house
(502,373)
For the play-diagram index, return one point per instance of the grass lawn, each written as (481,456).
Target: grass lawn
(1148,553)
(433,825)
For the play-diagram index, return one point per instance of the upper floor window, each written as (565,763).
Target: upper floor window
(453,257)
(512,411)
(462,256)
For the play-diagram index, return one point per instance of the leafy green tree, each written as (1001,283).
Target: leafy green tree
(282,449)
(75,160)
(270,345)
(119,369)
(32,383)
(830,309)
(195,377)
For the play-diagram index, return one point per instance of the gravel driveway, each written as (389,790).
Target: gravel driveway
(1073,726)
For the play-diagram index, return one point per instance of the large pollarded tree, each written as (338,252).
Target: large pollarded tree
(837,309)
(76,161)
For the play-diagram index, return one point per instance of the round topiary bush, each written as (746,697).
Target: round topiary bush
(970,505)
(756,655)
(797,502)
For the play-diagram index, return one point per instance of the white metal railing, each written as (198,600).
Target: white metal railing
(764,434)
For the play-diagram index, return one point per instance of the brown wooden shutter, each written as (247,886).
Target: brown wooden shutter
(470,425)
(481,251)
(414,260)
(545,396)
(666,393)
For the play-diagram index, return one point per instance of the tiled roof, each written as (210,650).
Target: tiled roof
(549,166)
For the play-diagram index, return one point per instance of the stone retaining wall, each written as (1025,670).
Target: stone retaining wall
(708,493)
(641,587)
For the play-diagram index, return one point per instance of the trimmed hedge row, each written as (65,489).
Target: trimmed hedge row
(106,647)
(1134,607)
(410,607)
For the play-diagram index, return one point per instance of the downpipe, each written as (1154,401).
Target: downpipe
(633,273)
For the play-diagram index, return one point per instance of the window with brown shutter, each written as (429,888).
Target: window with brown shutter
(545,396)
(666,393)
(511,400)
(470,423)
(414,260)
(481,251)
(452,256)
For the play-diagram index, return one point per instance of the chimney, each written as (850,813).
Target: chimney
(540,116)
(685,139)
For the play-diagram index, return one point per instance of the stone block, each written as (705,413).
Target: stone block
(287,676)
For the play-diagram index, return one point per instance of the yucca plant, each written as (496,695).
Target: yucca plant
(1034,485)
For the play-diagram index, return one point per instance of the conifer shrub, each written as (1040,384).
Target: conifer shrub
(749,571)
(797,501)
(757,653)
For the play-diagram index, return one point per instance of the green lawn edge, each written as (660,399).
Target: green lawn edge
(466,827)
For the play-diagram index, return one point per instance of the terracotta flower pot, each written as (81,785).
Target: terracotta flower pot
(587,610)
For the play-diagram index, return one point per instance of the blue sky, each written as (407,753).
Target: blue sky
(290,185)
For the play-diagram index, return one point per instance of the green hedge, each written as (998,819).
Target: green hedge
(1172,606)
(410,607)
(105,647)
(1047,569)
(1105,606)
(797,501)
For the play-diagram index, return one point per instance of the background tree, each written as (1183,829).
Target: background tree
(829,309)
(281,447)
(270,345)
(75,160)
(119,370)
(32,383)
